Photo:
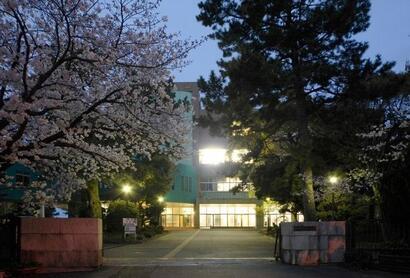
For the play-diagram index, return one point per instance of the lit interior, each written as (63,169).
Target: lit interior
(238,154)
(227,215)
(273,216)
(228,184)
(214,156)
(178,215)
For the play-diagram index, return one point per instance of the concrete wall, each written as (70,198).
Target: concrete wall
(62,243)
(311,243)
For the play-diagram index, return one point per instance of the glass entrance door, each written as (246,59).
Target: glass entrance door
(187,220)
(209,220)
(227,215)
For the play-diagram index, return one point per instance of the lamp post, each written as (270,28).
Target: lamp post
(267,211)
(160,200)
(126,189)
(333,180)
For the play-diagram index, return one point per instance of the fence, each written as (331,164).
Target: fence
(378,244)
(276,231)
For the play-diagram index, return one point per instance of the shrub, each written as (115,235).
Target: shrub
(118,210)
(159,229)
(150,231)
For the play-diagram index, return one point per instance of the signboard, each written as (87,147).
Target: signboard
(130,229)
(304,228)
(130,226)
(129,221)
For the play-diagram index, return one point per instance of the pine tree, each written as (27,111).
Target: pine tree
(286,64)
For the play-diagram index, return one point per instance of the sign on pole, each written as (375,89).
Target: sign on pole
(130,226)
(129,221)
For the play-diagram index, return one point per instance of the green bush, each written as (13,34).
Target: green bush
(118,210)
(159,229)
(150,231)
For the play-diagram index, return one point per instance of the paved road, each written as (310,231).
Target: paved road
(195,245)
(207,253)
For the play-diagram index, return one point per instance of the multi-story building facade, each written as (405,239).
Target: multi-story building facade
(181,199)
(201,194)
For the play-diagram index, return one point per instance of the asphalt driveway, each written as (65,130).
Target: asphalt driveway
(208,253)
(194,245)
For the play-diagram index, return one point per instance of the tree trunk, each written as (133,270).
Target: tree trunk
(140,216)
(94,199)
(305,147)
(78,204)
(308,195)
(294,216)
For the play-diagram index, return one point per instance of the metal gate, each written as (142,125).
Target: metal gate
(9,239)
(277,251)
(375,244)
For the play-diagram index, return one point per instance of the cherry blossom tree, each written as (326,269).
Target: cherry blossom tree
(385,155)
(84,87)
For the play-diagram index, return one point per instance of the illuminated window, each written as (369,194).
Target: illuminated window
(228,184)
(178,215)
(217,156)
(225,185)
(212,156)
(227,215)
(207,184)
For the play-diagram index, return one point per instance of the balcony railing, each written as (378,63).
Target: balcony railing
(227,195)
(224,186)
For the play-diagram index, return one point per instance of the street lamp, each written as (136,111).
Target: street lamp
(333,179)
(267,199)
(126,189)
(160,199)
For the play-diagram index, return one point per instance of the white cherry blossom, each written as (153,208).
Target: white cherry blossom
(83,87)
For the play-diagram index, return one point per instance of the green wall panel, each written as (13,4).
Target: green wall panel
(185,168)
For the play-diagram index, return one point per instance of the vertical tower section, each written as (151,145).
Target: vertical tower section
(180,201)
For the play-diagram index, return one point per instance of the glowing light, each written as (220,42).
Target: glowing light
(126,188)
(333,179)
(267,199)
(160,199)
(212,156)
(238,154)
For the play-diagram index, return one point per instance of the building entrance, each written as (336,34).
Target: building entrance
(227,215)
(178,215)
